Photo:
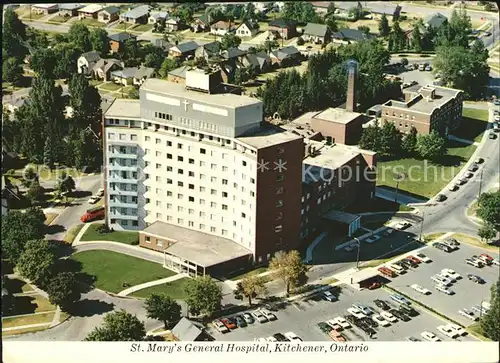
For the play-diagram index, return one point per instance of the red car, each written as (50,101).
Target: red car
(414,259)
(374,286)
(486,256)
(228,323)
(387,272)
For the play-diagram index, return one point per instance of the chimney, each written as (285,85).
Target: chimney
(352,75)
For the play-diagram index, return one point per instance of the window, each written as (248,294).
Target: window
(146,164)
(111,136)
(279,203)
(202,201)
(244,163)
(191,186)
(123,137)
(179,146)
(148,239)
(146,151)
(202,189)
(169,181)
(158,166)
(191,224)
(180,196)
(202,214)
(224,168)
(191,211)
(180,209)
(180,158)
(191,161)
(203,151)
(169,156)
(213,179)
(191,199)
(224,207)
(169,143)
(202,226)
(169,168)
(133,138)
(224,194)
(158,153)
(252,193)
(180,221)
(158,203)
(213,166)
(158,141)
(191,173)
(213,191)
(147,138)
(158,178)
(243,215)
(180,184)
(147,200)
(213,204)
(202,163)
(180,171)
(224,232)
(278,228)
(224,181)
(212,229)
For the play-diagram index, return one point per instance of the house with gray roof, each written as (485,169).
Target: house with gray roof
(285,56)
(260,61)
(188,331)
(132,75)
(137,15)
(68,10)
(178,75)
(202,23)
(116,41)
(86,62)
(233,53)
(184,50)
(108,14)
(103,67)
(317,33)
(435,20)
(142,74)
(208,50)
(156,16)
(247,29)
(163,44)
(346,36)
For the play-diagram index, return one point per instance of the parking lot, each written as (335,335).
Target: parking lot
(467,293)
(302,317)
(422,77)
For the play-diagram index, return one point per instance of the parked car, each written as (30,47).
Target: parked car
(486,305)
(402,225)
(486,256)
(479,160)
(280,337)
(441,247)
(412,339)
(452,242)
(220,326)
(381,304)
(336,336)
(271,339)
(430,337)
(479,309)
(496,262)
(364,309)
(372,239)
(443,289)
(468,314)
(387,272)
(473,262)
(334,325)
(248,318)
(293,337)
(408,310)
(420,289)
(453,187)
(374,285)
(269,315)
(408,263)
(423,258)
(492,136)
(400,315)
(476,279)
(342,322)
(388,316)
(240,321)
(414,259)
(462,181)
(440,198)
(441,280)
(486,259)
(399,269)
(100,193)
(328,296)
(400,299)
(380,320)
(228,323)
(451,274)
(460,331)
(259,316)
(446,330)
(324,327)
(94,199)
(356,313)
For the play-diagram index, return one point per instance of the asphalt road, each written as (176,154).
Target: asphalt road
(467,293)
(302,318)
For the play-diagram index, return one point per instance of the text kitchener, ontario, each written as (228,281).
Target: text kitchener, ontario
(247,348)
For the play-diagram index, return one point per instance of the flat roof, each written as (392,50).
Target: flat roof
(268,135)
(45,6)
(337,115)
(304,119)
(340,216)
(92,8)
(179,90)
(201,248)
(124,108)
(330,157)
(364,274)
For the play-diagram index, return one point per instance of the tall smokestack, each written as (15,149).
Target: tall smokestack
(352,75)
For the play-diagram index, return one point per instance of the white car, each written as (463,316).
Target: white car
(372,239)
(468,314)
(328,296)
(356,313)
(380,320)
(474,263)
(447,276)
(461,331)
(496,262)
(441,280)
(486,305)
(94,199)
(423,258)
(402,225)
(400,270)
(444,289)
(364,309)
(293,337)
(388,316)
(259,316)
(430,337)
(270,316)
(420,289)
(479,309)
(342,322)
(220,326)
(334,325)
(446,330)
(448,272)
(100,192)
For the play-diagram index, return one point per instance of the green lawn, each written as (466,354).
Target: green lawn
(425,179)
(59,19)
(473,124)
(143,28)
(91,234)
(478,331)
(124,26)
(27,320)
(432,236)
(33,16)
(90,22)
(111,269)
(72,233)
(96,82)
(110,86)
(174,289)
(475,242)
(257,271)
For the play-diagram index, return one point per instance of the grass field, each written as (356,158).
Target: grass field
(143,28)
(473,124)
(72,233)
(23,331)
(432,236)
(49,217)
(475,242)
(90,22)
(257,271)
(174,289)
(59,19)
(478,331)
(111,269)
(91,234)
(27,320)
(425,179)
(110,86)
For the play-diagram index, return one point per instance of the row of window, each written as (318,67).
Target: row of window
(163,116)
(124,222)
(201,202)
(122,149)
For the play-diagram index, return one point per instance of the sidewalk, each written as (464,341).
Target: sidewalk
(151,283)
(464,141)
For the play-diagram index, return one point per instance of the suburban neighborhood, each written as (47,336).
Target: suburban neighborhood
(251,172)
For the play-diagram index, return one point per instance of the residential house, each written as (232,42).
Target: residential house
(116,41)
(272,35)
(234,54)
(188,331)
(247,29)
(435,20)
(184,50)
(173,24)
(142,74)
(178,75)
(15,104)
(137,15)
(221,28)
(156,16)
(132,75)
(286,28)
(285,56)
(260,61)
(90,11)
(68,10)
(201,24)
(346,36)
(317,33)
(320,7)
(163,44)
(9,193)
(108,14)
(103,67)
(44,9)
(87,61)
(208,50)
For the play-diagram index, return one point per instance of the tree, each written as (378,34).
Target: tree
(390,139)
(409,142)
(163,308)
(29,176)
(397,38)
(99,40)
(133,93)
(131,53)
(230,41)
(168,65)
(85,101)
(12,71)
(63,289)
(250,287)
(204,295)
(431,146)
(331,22)
(487,232)
(18,228)
(300,11)
(489,209)
(370,138)
(355,12)
(35,192)
(44,62)
(184,12)
(119,326)
(67,55)
(416,39)
(364,29)
(13,35)
(383,26)
(490,324)
(86,149)
(404,61)
(289,267)
(37,261)
(49,152)
(79,36)
(66,183)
